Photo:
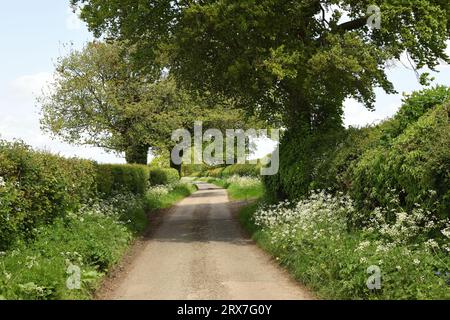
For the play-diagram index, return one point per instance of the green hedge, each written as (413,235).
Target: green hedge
(253,170)
(242,170)
(36,187)
(115,178)
(408,153)
(189,170)
(416,165)
(161,176)
(215,172)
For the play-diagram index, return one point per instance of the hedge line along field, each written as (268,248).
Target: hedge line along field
(239,187)
(376,200)
(62,216)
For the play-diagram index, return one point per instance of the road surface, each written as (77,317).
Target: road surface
(199,251)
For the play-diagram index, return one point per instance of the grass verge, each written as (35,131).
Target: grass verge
(239,188)
(338,268)
(164,197)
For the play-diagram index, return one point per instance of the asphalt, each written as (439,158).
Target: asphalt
(199,251)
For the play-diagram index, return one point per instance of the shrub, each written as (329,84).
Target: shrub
(417,165)
(37,187)
(215,173)
(335,160)
(193,169)
(242,170)
(300,151)
(113,179)
(160,176)
(416,105)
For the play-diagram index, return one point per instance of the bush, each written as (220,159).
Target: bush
(300,151)
(215,173)
(160,176)
(37,187)
(189,170)
(417,165)
(113,179)
(242,170)
(247,170)
(335,161)
(164,196)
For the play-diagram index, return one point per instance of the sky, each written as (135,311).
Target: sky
(33,35)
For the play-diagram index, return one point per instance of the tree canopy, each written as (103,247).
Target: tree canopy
(295,61)
(99,98)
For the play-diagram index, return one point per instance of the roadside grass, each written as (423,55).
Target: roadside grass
(67,259)
(79,248)
(162,197)
(336,267)
(239,188)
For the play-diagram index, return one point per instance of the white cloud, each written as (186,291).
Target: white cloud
(19,119)
(357,115)
(73,21)
(28,86)
(264,146)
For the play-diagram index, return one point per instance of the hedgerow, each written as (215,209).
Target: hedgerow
(416,166)
(408,153)
(163,176)
(113,179)
(247,170)
(37,187)
(56,213)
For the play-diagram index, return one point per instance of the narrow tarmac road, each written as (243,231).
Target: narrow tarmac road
(200,252)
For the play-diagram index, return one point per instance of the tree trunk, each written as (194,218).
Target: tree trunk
(137,154)
(177,167)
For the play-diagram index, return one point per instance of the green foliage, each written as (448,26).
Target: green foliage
(37,187)
(247,170)
(216,172)
(193,169)
(300,153)
(240,187)
(93,239)
(408,153)
(299,69)
(127,111)
(311,239)
(163,176)
(252,170)
(114,179)
(416,165)
(420,102)
(161,197)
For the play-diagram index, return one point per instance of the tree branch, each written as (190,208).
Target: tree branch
(352,25)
